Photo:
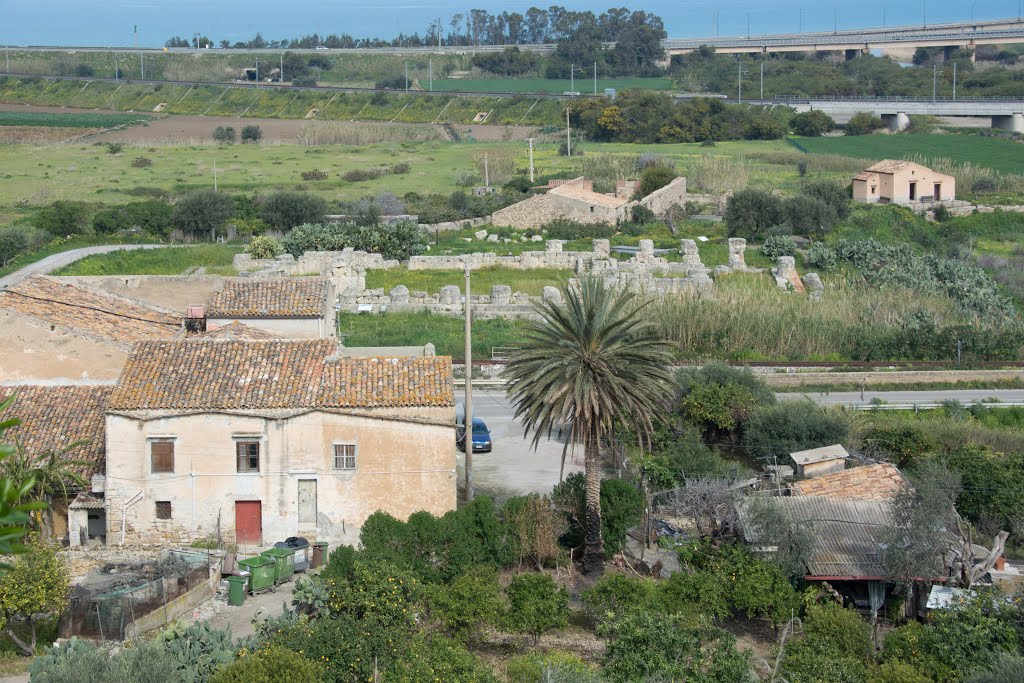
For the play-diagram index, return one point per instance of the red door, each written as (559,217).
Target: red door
(248,522)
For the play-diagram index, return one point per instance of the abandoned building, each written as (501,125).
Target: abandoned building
(576,200)
(249,441)
(295,308)
(69,421)
(55,330)
(816,462)
(902,182)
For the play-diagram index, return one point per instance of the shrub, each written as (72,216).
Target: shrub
(64,217)
(809,216)
(36,587)
(982,185)
(617,595)
(434,658)
(151,216)
(535,527)
(468,603)
(202,213)
(15,239)
(114,147)
(941,213)
(789,426)
(751,213)
(811,123)
(641,215)
(285,210)
(399,241)
(833,194)
(84,71)
(142,162)
(224,135)
(401,169)
(863,123)
(315,174)
(269,664)
(555,666)
(835,646)
(359,174)
(252,133)
(536,605)
(822,257)
(264,247)
(654,178)
(778,245)
(622,505)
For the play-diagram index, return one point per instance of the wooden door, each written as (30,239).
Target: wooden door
(307,501)
(248,522)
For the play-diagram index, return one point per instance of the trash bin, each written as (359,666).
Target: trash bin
(236,589)
(284,563)
(317,555)
(261,573)
(301,548)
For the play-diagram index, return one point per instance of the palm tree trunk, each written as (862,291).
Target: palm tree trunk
(593,551)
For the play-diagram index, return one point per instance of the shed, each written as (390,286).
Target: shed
(818,461)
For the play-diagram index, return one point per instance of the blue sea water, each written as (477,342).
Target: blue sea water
(112,22)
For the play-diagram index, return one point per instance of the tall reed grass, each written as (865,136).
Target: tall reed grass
(353,133)
(969,176)
(717,175)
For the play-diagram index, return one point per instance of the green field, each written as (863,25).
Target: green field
(76,120)
(999,154)
(215,258)
(582,84)
(531,282)
(446,333)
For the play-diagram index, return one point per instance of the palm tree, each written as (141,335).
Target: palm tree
(54,475)
(588,364)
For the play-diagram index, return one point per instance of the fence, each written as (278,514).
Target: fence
(109,602)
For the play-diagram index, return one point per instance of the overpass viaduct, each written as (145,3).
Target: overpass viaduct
(962,34)
(1006,114)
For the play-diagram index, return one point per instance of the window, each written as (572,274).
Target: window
(248,456)
(163,509)
(161,456)
(591,209)
(344,456)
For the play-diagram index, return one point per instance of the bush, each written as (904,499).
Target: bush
(76,660)
(142,162)
(252,133)
(65,217)
(833,194)
(617,595)
(151,216)
(790,426)
(641,215)
(778,245)
(536,605)
(835,646)
(556,667)
(401,169)
(224,135)
(264,247)
(359,174)
(821,257)
(434,658)
(809,215)
(535,527)
(84,71)
(270,664)
(315,174)
(622,506)
(285,210)
(473,600)
(399,241)
(202,213)
(752,213)
(113,147)
(654,178)
(36,587)
(811,124)
(863,123)
(16,239)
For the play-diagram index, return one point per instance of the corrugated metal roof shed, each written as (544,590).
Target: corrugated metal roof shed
(833,452)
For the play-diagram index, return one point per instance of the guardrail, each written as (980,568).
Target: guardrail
(926,405)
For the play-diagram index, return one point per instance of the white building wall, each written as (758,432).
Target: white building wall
(287,328)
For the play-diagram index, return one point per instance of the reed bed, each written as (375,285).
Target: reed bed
(352,133)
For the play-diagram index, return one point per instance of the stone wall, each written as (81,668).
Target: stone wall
(660,201)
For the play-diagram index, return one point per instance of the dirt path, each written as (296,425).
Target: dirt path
(52,263)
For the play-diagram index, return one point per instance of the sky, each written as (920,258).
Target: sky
(111,22)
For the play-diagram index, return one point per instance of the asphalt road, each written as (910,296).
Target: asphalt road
(52,263)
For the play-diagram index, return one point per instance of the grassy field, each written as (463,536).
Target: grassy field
(999,154)
(447,334)
(66,244)
(531,282)
(215,258)
(582,85)
(71,120)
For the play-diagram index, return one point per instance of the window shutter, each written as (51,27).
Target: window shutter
(163,456)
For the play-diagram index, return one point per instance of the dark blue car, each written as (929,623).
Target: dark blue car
(481,437)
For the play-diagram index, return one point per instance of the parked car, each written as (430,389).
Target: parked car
(481,437)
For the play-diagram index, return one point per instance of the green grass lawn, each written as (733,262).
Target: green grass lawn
(531,282)
(75,120)
(447,334)
(582,85)
(215,258)
(999,154)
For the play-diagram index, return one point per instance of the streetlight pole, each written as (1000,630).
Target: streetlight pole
(467,438)
(972,10)
(572,80)
(835,20)
(595,79)
(530,140)
(800,28)
(282,67)
(924,13)
(568,135)
(935,81)
(407,77)
(762,80)
(954,80)
(748,24)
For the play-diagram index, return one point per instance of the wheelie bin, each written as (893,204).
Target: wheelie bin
(236,589)
(301,548)
(284,563)
(261,573)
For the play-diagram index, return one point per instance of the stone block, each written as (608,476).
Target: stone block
(400,294)
(480,234)
(602,248)
(501,295)
(450,294)
(647,248)
(552,294)
(737,247)
(492,238)
(553,246)
(691,255)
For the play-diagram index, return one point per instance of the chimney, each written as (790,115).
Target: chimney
(195,319)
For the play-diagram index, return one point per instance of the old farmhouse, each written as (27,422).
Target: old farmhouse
(902,182)
(255,441)
(293,307)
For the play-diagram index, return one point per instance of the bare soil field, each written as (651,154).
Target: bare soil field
(39,135)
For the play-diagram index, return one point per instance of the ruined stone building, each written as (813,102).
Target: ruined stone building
(256,441)
(902,182)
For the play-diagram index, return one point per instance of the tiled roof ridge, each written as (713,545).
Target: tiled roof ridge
(14,290)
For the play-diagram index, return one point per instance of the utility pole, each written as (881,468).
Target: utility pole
(135,35)
(748,24)
(487,172)
(7,55)
(281,75)
(572,80)
(467,439)
(142,66)
(568,136)
(924,13)
(257,71)
(954,80)
(935,81)
(739,81)
(430,62)
(762,80)
(407,77)
(214,175)
(530,140)
(800,24)
(117,68)
(595,79)
(835,20)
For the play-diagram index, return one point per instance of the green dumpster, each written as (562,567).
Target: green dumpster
(236,589)
(284,562)
(261,572)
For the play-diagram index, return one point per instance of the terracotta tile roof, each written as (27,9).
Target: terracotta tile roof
(53,417)
(236,330)
(88,311)
(870,482)
(286,297)
(203,374)
(85,501)
(865,175)
(890,166)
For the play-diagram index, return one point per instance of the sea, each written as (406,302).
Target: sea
(148,23)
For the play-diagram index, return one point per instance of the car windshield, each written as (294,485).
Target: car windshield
(479,428)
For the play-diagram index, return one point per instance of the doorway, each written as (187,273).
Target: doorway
(248,522)
(913,192)
(307,502)
(937,195)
